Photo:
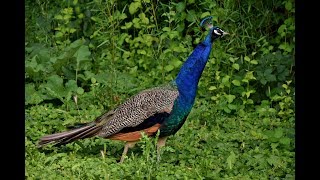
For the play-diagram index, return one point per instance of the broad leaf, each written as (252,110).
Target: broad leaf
(231,160)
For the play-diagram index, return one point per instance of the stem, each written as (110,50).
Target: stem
(154,15)
(77,72)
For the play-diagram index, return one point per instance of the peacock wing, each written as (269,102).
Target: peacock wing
(136,110)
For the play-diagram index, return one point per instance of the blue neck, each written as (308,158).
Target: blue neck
(187,84)
(190,72)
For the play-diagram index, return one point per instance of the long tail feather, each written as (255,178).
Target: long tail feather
(85,131)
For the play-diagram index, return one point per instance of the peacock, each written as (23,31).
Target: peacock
(164,108)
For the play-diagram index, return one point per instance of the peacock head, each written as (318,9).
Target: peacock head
(216,32)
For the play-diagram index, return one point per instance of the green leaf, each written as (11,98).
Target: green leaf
(289,21)
(247,93)
(231,160)
(134,7)
(54,87)
(33,63)
(236,66)
(268,76)
(59,34)
(176,63)
(123,16)
(191,16)
(246,58)
(180,6)
(263,81)
(166,29)
(286,46)
(267,71)
(59,17)
(271,77)
(80,90)
(82,54)
(76,44)
(278,133)
(276,98)
(249,101)
(127,25)
(225,79)
(282,28)
(33,66)
(93,80)
(141,51)
(232,59)
(205,14)
(71,85)
(254,62)
(226,109)
(31,95)
(211,88)
(173,34)
(274,160)
(72,30)
(236,82)
(288,5)
(143,18)
(249,76)
(232,106)
(169,67)
(285,141)
(230,97)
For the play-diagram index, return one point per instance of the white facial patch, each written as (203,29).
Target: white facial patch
(216,32)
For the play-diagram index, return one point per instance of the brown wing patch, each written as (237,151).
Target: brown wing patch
(136,135)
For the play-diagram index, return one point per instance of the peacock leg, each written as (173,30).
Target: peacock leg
(125,150)
(161,142)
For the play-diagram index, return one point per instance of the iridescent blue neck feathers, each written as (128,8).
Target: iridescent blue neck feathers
(190,73)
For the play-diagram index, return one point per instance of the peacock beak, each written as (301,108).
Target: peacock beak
(225,33)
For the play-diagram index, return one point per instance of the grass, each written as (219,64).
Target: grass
(221,147)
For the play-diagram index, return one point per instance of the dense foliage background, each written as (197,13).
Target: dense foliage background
(86,57)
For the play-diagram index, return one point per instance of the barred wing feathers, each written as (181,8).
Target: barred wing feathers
(143,110)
